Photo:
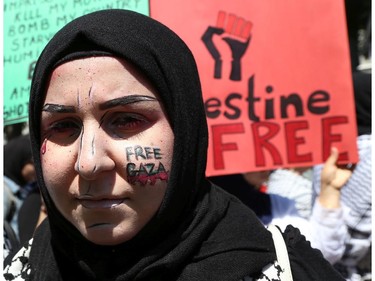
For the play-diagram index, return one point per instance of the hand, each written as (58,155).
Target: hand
(333,178)
(333,175)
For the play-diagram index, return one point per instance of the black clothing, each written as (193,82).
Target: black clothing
(28,215)
(257,201)
(362,98)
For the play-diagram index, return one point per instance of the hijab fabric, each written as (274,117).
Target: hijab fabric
(200,232)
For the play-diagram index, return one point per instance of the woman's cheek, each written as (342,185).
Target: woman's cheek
(57,165)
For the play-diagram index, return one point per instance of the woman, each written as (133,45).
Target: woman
(119,140)
(356,194)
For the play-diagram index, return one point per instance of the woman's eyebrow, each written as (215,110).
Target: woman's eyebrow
(50,107)
(125,100)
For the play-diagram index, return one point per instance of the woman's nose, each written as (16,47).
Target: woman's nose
(93,154)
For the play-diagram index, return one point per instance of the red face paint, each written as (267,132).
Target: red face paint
(44,147)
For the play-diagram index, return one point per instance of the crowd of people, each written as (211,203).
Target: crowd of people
(22,204)
(110,183)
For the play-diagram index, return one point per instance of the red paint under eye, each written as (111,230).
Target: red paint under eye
(44,147)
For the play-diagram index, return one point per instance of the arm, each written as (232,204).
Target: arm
(327,220)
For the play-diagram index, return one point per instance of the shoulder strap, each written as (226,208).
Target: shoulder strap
(281,252)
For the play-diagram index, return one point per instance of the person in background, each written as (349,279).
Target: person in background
(119,140)
(258,179)
(295,184)
(326,220)
(10,239)
(356,194)
(22,200)
(30,214)
(19,171)
(359,23)
(19,177)
(291,187)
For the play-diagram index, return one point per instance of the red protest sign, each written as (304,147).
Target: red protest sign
(276,79)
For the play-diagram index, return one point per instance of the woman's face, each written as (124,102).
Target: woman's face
(107,148)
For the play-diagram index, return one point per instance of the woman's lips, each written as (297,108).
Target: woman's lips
(100,204)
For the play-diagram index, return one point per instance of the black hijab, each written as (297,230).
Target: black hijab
(199,232)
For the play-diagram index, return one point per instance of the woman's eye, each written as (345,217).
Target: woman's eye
(127,123)
(63,129)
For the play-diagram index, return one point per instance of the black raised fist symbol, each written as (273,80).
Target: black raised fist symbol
(238,39)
